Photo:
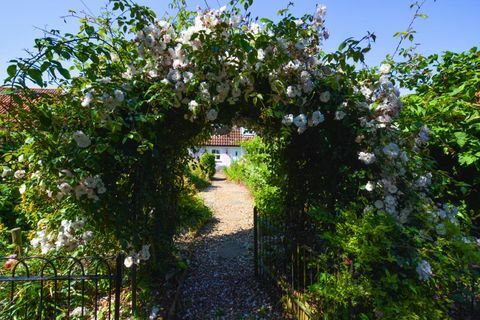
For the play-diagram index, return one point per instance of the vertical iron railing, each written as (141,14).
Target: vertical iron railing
(65,287)
(282,263)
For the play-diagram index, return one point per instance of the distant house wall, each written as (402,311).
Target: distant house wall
(224,155)
(226,147)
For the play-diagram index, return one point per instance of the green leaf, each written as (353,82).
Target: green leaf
(36,76)
(421,15)
(12,70)
(467,159)
(461,138)
(64,72)
(457,90)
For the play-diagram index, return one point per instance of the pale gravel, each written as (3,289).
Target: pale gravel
(220,283)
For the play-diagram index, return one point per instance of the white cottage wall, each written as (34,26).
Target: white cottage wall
(224,156)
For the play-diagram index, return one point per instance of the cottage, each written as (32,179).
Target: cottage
(226,148)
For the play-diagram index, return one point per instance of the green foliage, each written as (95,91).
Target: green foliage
(193,212)
(256,171)
(113,149)
(197,176)
(368,271)
(236,171)
(207,164)
(447,101)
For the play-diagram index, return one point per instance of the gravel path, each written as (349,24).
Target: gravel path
(221,283)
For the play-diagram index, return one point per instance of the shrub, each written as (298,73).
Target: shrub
(197,176)
(207,164)
(193,212)
(446,100)
(236,171)
(256,170)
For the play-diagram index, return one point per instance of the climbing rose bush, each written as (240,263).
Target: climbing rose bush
(114,144)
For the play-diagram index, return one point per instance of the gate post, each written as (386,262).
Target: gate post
(134,289)
(17,240)
(118,284)
(255,240)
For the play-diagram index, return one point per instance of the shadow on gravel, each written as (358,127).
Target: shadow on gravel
(210,187)
(221,282)
(219,178)
(208,227)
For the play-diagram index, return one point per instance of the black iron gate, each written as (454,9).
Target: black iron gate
(66,288)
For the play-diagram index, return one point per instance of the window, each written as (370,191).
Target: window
(216,153)
(246,132)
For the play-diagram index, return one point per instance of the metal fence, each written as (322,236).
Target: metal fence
(66,288)
(282,265)
(288,268)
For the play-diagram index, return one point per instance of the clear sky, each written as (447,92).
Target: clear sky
(452,24)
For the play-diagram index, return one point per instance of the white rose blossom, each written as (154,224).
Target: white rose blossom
(119,95)
(128,262)
(212,115)
(317,118)
(65,188)
(385,68)
(19,174)
(87,99)
(424,270)
(287,119)
(325,96)
(370,186)
(366,157)
(82,140)
(6,172)
(339,115)
(300,120)
(391,150)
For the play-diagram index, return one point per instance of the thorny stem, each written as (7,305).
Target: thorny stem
(409,28)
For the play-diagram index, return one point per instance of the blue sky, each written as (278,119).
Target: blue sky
(452,25)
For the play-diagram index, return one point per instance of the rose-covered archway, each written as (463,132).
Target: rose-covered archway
(114,147)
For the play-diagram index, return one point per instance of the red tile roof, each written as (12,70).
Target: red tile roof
(6,101)
(231,139)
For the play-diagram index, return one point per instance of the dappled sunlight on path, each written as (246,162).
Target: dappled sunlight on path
(221,282)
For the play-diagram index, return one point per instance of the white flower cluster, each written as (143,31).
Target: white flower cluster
(166,56)
(422,137)
(302,121)
(392,178)
(105,101)
(424,270)
(442,215)
(137,257)
(383,103)
(18,174)
(90,187)
(384,100)
(69,236)
(367,157)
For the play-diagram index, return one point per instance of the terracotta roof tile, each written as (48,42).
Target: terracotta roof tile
(5,100)
(231,139)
